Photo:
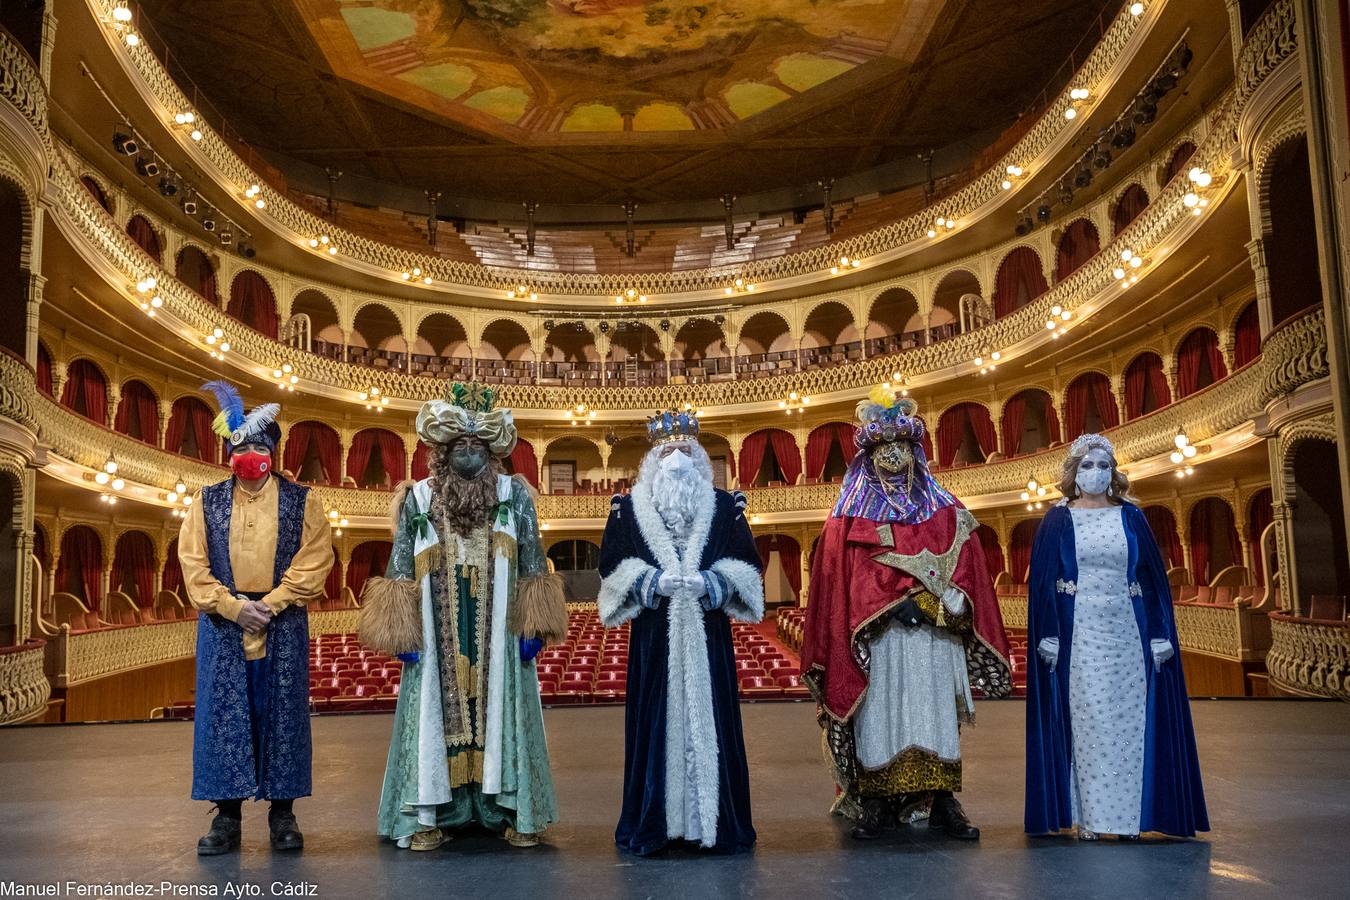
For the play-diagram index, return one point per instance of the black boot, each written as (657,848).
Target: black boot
(223,836)
(876,816)
(948,815)
(285,831)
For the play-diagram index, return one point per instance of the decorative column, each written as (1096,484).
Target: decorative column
(1256,254)
(604,449)
(114,400)
(602,347)
(734,441)
(59,373)
(1169,364)
(1227,341)
(34,315)
(731,336)
(165,412)
(800,435)
(1118,392)
(995,408)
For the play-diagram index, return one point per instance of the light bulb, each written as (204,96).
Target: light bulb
(1136,9)
(1126,255)
(101,477)
(1191,200)
(1070,113)
(180,488)
(118,484)
(1181,440)
(1188,451)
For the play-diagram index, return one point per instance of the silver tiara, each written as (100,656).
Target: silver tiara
(1085,442)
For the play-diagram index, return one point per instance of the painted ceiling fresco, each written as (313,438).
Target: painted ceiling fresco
(601,66)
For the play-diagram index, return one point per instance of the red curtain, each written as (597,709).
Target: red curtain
(134,561)
(139,406)
(752,457)
(370,558)
(143,233)
(1019,281)
(173,571)
(1247,344)
(80,571)
(332,587)
(252,303)
(195,271)
(1164,527)
(85,386)
(394,455)
(1207,517)
(44,370)
(1023,535)
(1200,344)
(1107,410)
(1078,244)
(790,552)
(1128,207)
(326,442)
(764,546)
(952,429)
(191,414)
(93,188)
(1014,419)
(421,462)
(1177,164)
(820,441)
(993,553)
(1097,387)
(1259,516)
(1145,373)
(786,453)
(523,462)
(358,456)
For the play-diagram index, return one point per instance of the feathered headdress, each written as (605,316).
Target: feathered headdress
(258,426)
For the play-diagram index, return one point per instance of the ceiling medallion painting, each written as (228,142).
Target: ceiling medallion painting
(569,68)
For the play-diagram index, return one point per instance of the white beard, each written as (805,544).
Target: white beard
(676,495)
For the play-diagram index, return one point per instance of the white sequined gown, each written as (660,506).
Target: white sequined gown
(1107,690)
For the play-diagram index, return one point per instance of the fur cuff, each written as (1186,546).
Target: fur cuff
(390,621)
(540,609)
(747,586)
(617,601)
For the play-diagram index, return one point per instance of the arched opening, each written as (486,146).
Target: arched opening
(1319,530)
(80,569)
(574,556)
(252,302)
(1020,280)
(625,457)
(572,465)
(377,339)
(993,551)
(523,462)
(504,356)
(1132,202)
(945,319)
(1199,362)
(830,337)
(1089,405)
(635,358)
(189,430)
(1077,245)
(769,457)
(965,435)
(312,452)
(1260,513)
(1030,423)
(441,348)
(765,347)
(1019,551)
(894,323)
(44,369)
(133,568)
(86,391)
(780,559)
(376,459)
(1214,540)
(13,277)
(138,413)
(1146,387)
(1291,252)
(143,234)
(1164,527)
(195,269)
(700,353)
(570,356)
(369,559)
(96,191)
(1177,163)
(1247,335)
(829,449)
(325,332)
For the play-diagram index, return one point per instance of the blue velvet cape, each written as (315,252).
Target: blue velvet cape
(224,764)
(1173,800)
(642,819)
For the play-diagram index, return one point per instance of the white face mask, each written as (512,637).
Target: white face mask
(676,462)
(1094,473)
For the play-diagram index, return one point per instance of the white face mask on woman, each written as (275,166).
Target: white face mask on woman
(1094,473)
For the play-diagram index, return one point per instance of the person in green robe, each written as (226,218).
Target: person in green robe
(466,602)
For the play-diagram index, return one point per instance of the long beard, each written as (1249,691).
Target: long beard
(676,497)
(463,503)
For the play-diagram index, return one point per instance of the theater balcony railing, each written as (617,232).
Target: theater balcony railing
(22,88)
(1309,657)
(24,686)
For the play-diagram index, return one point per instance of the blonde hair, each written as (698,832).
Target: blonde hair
(1118,491)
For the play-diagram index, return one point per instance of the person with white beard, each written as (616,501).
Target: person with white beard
(678,561)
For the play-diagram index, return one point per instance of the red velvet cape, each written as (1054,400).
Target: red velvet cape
(850,589)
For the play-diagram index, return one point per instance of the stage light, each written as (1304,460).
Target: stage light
(247,250)
(227,237)
(1145,113)
(1043,212)
(189,206)
(148,168)
(1101,158)
(1083,177)
(125,144)
(1123,138)
(209,224)
(167,186)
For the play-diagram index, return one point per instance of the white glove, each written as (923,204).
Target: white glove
(1048,649)
(695,585)
(669,583)
(954,600)
(1162,652)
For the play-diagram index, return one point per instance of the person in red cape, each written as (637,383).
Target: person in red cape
(901,623)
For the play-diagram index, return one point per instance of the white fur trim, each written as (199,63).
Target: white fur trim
(616,601)
(747,601)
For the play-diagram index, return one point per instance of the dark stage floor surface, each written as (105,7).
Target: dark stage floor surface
(108,803)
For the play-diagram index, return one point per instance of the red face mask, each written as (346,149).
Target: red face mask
(252,465)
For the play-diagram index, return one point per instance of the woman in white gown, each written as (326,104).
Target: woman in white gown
(1110,748)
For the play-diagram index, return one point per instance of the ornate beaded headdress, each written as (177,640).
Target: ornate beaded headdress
(883,417)
(672,425)
(1085,442)
(468,409)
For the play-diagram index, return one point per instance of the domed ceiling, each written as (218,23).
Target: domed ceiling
(595,101)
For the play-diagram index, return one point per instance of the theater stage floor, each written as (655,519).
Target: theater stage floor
(100,803)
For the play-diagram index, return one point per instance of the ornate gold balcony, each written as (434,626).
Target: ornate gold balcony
(1310,657)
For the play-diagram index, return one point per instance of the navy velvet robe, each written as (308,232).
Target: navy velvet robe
(1173,800)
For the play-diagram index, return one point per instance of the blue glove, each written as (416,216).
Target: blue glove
(411,656)
(530,647)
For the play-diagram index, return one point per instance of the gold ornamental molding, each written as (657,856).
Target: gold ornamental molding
(1310,657)
(1103,67)
(24,688)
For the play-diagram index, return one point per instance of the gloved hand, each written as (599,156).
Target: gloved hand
(954,600)
(411,656)
(530,647)
(669,583)
(1048,650)
(1162,652)
(698,584)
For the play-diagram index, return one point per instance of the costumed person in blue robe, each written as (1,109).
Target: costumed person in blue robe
(254,549)
(1110,747)
(467,602)
(678,561)
(902,622)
